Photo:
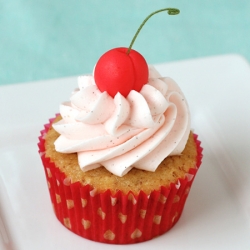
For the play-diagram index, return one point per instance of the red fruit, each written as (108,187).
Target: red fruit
(116,71)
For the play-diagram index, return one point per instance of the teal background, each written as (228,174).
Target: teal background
(43,39)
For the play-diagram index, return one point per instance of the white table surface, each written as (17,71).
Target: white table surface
(217,213)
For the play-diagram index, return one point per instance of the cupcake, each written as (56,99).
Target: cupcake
(104,195)
(120,161)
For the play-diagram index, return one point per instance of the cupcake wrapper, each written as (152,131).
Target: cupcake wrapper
(115,218)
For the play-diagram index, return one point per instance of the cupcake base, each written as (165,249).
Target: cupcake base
(115,218)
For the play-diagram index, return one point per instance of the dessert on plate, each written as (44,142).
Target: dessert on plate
(120,158)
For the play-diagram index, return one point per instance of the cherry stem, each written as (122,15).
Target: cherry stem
(171,11)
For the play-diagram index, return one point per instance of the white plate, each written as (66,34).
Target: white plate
(217,213)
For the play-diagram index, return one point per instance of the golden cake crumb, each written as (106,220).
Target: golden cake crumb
(136,180)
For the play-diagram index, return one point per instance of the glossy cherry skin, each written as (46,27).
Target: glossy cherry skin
(116,71)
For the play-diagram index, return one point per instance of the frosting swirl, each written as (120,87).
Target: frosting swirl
(121,133)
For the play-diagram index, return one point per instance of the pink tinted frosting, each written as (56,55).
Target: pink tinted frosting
(121,133)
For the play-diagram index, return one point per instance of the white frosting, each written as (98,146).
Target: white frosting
(121,133)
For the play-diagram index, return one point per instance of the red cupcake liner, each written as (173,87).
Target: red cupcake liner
(115,218)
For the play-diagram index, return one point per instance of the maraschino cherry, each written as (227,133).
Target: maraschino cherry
(124,69)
